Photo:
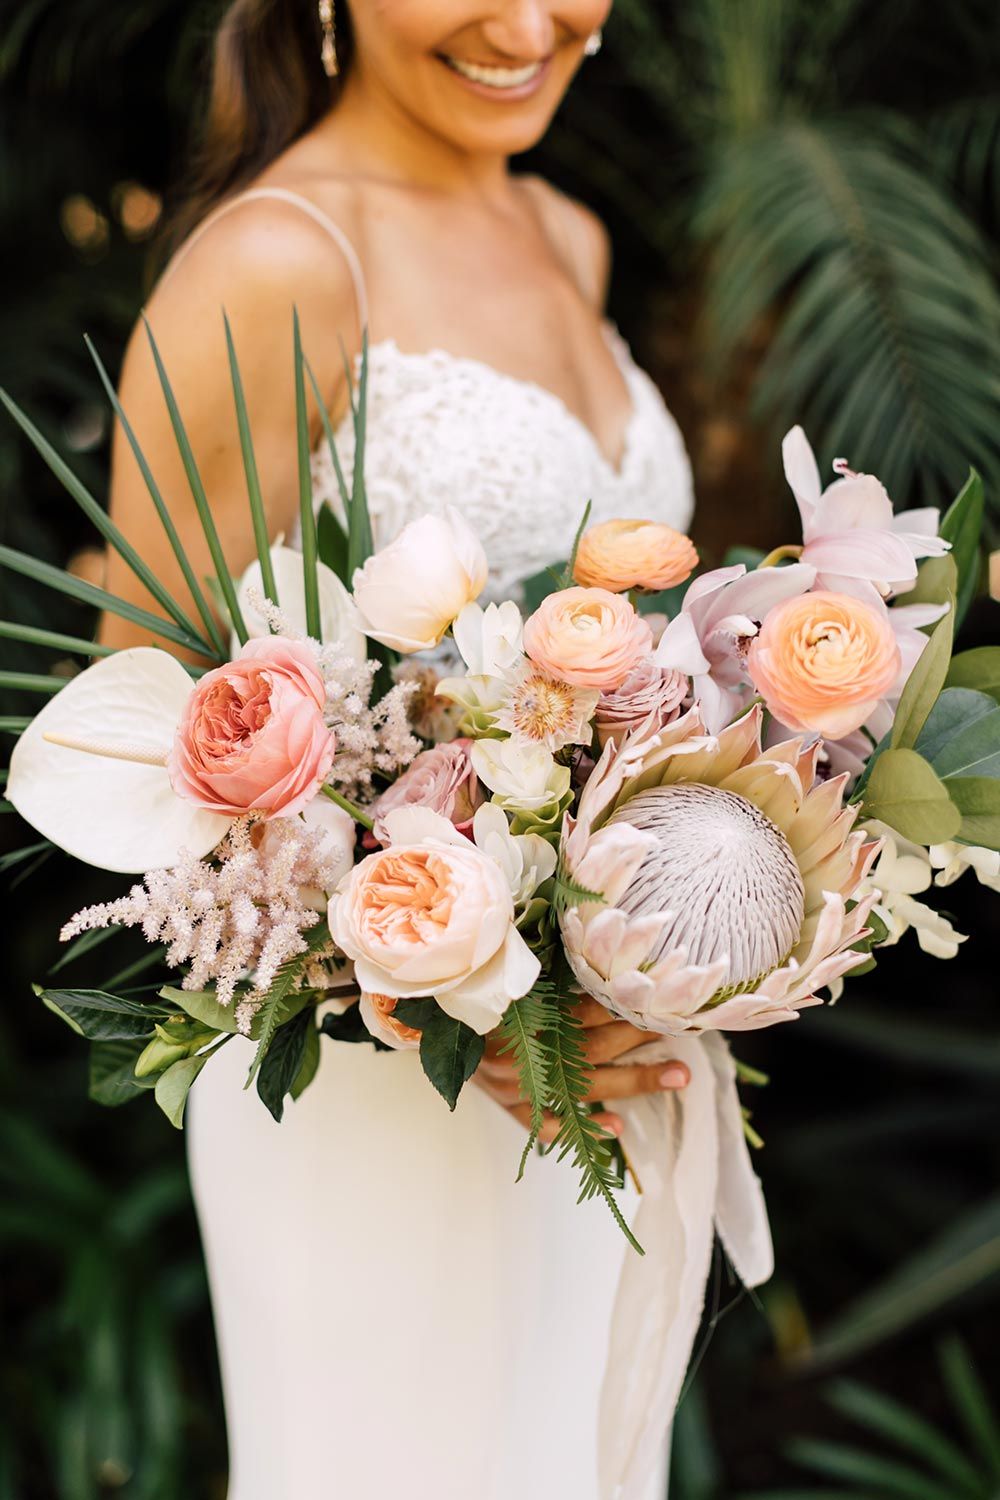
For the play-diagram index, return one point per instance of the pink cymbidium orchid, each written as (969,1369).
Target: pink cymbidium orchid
(850,533)
(708,639)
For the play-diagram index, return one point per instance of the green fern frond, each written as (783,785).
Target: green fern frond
(567,892)
(285,983)
(522,1029)
(579,1134)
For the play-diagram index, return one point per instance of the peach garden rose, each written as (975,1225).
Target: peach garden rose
(433,915)
(589,637)
(621,555)
(252,736)
(823,661)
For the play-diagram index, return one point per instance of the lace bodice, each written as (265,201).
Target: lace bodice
(444,429)
(449,430)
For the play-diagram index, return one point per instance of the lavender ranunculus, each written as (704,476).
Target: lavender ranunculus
(650,695)
(442,779)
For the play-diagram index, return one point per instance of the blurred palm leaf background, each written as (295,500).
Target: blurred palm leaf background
(804,197)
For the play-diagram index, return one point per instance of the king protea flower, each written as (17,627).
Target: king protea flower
(727,879)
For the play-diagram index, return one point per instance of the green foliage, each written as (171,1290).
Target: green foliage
(580,1137)
(924,684)
(450,1051)
(102,1017)
(922,1462)
(978,670)
(172,1087)
(905,793)
(285,998)
(523,1029)
(282,1066)
(962,526)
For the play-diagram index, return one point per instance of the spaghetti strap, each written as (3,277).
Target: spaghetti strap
(297,200)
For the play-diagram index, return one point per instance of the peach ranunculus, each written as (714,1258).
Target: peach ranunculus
(433,915)
(441,778)
(377,1014)
(590,637)
(411,591)
(622,555)
(823,661)
(252,736)
(650,695)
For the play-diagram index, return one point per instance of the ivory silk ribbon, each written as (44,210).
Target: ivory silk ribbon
(690,1154)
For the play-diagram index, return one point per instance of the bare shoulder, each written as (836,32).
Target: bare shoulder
(256,260)
(587,232)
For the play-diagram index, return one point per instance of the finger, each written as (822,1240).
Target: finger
(626,1080)
(505,1091)
(612,1123)
(591,1012)
(605,1043)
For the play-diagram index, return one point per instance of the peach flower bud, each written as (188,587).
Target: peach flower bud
(822,662)
(377,1014)
(252,736)
(441,778)
(590,637)
(623,555)
(410,592)
(650,695)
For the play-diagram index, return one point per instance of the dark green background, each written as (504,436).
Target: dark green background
(804,199)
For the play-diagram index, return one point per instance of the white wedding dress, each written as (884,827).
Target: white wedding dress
(397,1319)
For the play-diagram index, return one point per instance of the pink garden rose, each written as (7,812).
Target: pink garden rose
(252,736)
(650,695)
(442,779)
(589,637)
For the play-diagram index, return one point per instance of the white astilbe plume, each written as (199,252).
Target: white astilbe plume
(369,738)
(242,914)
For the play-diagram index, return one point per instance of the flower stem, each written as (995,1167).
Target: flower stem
(778,555)
(349,807)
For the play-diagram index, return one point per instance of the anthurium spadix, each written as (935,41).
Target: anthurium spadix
(111,804)
(339,619)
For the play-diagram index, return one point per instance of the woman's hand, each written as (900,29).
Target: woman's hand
(606,1040)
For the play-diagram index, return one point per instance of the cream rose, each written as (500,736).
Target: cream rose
(822,662)
(590,637)
(433,915)
(411,591)
(622,555)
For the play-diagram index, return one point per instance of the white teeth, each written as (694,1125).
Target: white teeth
(496,78)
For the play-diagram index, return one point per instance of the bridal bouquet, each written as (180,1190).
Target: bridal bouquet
(391,813)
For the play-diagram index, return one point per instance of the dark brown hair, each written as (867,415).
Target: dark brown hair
(267,86)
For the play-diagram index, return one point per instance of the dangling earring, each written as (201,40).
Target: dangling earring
(592,45)
(328,52)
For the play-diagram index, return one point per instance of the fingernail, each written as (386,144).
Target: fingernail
(674,1077)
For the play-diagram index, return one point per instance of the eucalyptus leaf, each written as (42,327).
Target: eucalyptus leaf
(978,801)
(173,1086)
(906,793)
(925,682)
(962,526)
(450,1052)
(978,669)
(954,711)
(973,750)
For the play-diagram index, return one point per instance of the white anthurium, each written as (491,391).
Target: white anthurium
(337,611)
(111,804)
(526,859)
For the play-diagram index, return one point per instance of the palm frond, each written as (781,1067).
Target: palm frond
(887,338)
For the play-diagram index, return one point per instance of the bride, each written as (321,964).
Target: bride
(395,1317)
